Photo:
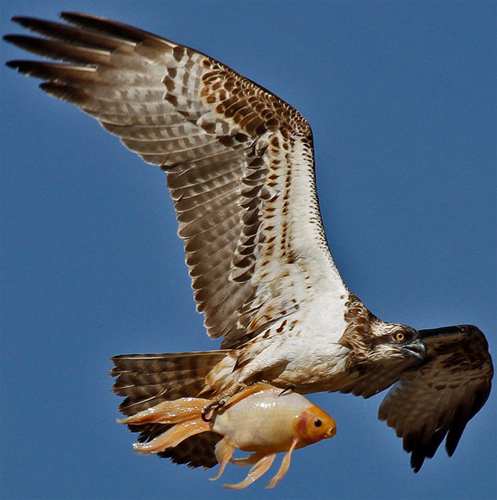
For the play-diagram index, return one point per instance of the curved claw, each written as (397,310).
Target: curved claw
(211,408)
(287,390)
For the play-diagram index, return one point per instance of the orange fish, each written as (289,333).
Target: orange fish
(262,419)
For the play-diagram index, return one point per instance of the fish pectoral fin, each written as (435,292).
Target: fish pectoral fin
(248,460)
(173,436)
(254,473)
(223,451)
(285,464)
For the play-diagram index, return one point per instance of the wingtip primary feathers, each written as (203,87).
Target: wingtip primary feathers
(206,126)
(457,375)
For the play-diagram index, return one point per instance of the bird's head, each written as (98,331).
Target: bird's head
(392,342)
(377,343)
(378,353)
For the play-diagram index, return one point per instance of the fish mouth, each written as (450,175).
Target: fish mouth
(417,350)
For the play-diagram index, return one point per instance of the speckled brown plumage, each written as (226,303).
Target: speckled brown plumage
(240,170)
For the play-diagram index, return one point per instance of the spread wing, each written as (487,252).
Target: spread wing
(439,398)
(239,162)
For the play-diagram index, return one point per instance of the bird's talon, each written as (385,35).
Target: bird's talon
(211,408)
(205,412)
(288,389)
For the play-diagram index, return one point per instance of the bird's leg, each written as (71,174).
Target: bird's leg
(226,402)
(232,394)
(254,473)
(285,464)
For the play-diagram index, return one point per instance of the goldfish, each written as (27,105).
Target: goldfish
(262,419)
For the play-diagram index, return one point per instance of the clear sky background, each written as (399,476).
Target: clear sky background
(402,100)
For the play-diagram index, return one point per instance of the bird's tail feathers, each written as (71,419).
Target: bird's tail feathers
(146,380)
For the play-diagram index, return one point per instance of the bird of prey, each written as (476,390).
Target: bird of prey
(240,169)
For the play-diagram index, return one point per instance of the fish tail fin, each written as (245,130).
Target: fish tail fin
(146,380)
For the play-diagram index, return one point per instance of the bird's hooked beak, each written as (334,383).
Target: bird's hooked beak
(416,349)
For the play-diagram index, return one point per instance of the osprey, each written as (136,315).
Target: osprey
(239,164)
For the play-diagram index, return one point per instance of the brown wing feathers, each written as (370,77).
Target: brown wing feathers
(438,399)
(208,127)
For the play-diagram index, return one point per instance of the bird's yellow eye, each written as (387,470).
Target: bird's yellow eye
(399,336)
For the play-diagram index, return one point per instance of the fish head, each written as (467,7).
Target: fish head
(314,424)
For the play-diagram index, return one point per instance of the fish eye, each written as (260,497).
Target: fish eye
(399,336)
(318,422)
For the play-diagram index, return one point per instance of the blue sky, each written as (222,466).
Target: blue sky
(402,100)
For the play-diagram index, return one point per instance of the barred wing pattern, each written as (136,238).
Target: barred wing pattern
(239,162)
